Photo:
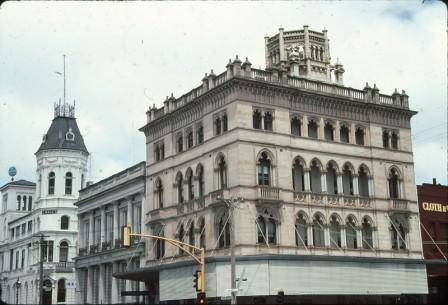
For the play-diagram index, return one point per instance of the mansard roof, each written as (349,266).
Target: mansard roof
(63,134)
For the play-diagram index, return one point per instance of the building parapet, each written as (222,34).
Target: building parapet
(278,77)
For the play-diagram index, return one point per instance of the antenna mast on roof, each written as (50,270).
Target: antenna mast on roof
(64,77)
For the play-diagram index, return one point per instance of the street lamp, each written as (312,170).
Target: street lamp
(18,284)
(231,205)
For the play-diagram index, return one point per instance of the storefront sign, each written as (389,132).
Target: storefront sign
(435,207)
(49,211)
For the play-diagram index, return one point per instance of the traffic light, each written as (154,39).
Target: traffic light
(126,237)
(197,281)
(280,297)
(201,298)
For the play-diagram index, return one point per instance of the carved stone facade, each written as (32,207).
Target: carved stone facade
(319,186)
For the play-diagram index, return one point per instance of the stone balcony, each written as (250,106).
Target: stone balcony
(398,205)
(64,267)
(268,193)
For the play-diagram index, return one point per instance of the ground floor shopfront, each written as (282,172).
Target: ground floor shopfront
(303,279)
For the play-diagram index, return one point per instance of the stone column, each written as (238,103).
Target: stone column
(304,130)
(320,129)
(102,285)
(262,120)
(115,291)
(116,225)
(91,230)
(323,181)
(355,185)
(309,231)
(352,135)
(339,183)
(343,237)
(358,237)
(327,239)
(129,218)
(306,175)
(370,185)
(89,286)
(337,132)
(103,225)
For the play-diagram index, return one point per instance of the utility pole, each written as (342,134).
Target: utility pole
(231,205)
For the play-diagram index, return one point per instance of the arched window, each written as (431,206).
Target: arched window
(61,290)
(385,139)
(181,237)
(264,170)
(350,233)
(359,135)
(266,228)
(159,191)
(222,173)
(217,125)
(180,188)
(63,251)
(335,232)
(268,119)
(347,180)
(394,140)
(398,235)
(224,122)
(190,139)
(344,134)
(24,203)
(312,129)
(30,203)
(301,231)
(51,183)
(64,222)
(367,234)
(315,179)
(318,232)
(200,175)
(159,244)
(296,126)
(298,178)
(19,200)
(256,119)
(328,132)
(202,233)
(363,182)
(223,230)
(191,237)
(393,184)
(68,183)
(179,143)
(332,178)
(190,184)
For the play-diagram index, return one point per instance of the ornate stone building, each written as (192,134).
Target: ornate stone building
(61,168)
(326,172)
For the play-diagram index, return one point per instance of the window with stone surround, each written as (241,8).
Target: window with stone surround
(64,222)
(301,228)
(256,119)
(393,181)
(159,244)
(199,133)
(335,231)
(222,229)
(351,232)
(385,139)
(398,232)
(159,193)
(344,133)
(313,129)
(180,187)
(359,136)
(363,181)
(367,233)
(347,179)
(332,177)
(329,131)
(68,183)
(264,170)
(190,142)
(315,176)
(220,122)
(318,231)
(298,175)
(394,140)
(51,183)
(190,183)
(296,126)
(159,151)
(266,225)
(179,142)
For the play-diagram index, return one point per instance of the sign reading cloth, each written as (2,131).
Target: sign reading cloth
(434,207)
(49,211)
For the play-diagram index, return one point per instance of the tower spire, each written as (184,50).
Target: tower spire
(64,109)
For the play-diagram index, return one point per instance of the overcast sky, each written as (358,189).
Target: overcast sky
(124,57)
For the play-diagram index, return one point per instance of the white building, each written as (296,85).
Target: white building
(326,172)
(103,209)
(61,168)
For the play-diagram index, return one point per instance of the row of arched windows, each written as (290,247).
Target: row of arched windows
(52,183)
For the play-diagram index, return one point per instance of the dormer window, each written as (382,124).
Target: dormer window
(70,136)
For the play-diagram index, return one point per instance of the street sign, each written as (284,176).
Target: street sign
(134,293)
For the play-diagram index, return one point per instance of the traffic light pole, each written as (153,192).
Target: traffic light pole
(200,259)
